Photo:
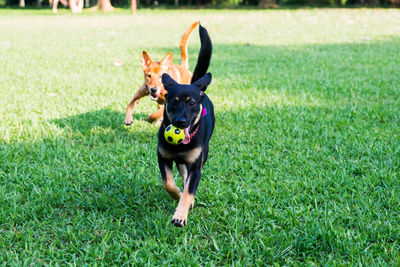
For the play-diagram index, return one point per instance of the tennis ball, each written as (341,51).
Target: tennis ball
(174,135)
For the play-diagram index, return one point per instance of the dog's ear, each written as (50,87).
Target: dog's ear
(166,62)
(146,60)
(203,82)
(167,81)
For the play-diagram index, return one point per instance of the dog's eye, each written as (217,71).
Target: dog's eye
(191,103)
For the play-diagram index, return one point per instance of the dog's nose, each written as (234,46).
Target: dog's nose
(180,122)
(153,90)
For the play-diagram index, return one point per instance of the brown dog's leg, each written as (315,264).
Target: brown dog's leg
(156,115)
(136,98)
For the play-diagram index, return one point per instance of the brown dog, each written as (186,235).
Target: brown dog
(153,70)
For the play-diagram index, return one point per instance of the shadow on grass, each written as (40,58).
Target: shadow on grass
(105,167)
(85,122)
(104,122)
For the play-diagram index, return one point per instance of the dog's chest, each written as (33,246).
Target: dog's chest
(189,156)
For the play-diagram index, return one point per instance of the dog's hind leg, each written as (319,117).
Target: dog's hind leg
(135,100)
(167,177)
(183,172)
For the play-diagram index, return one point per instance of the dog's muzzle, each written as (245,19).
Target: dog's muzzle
(180,123)
(154,93)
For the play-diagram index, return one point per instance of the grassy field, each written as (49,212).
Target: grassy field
(304,164)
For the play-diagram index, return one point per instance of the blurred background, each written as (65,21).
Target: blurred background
(219,3)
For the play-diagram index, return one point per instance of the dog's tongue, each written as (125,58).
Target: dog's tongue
(187,136)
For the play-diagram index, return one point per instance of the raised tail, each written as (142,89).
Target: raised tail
(183,45)
(203,61)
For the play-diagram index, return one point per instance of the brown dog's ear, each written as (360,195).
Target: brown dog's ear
(146,60)
(166,62)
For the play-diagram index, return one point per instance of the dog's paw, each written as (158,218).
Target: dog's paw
(128,118)
(128,122)
(178,222)
(179,219)
(150,119)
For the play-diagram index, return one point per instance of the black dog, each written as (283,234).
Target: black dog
(188,108)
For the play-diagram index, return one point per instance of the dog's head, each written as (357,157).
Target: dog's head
(184,104)
(153,70)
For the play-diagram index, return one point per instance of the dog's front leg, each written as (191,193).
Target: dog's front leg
(135,100)
(168,181)
(156,115)
(183,171)
(187,199)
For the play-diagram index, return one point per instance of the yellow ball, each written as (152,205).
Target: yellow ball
(174,135)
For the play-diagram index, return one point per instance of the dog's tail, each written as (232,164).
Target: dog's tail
(203,61)
(185,37)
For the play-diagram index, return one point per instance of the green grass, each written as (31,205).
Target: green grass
(304,163)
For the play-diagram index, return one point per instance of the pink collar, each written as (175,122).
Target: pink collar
(204,112)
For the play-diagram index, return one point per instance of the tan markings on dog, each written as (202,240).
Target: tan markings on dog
(183,172)
(192,155)
(165,153)
(185,202)
(198,115)
(188,98)
(177,99)
(170,186)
